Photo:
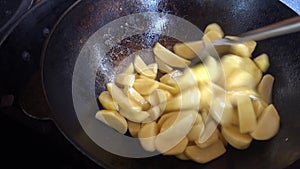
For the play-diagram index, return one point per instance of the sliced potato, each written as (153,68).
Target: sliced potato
(246,114)
(169,78)
(265,88)
(240,78)
(179,148)
(262,61)
(122,100)
(139,99)
(164,117)
(235,138)
(145,86)
(134,128)
(214,27)
(141,67)
(129,69)
(182,156)
(188,50)
(171,137)
(196,131)
(201,73)
(162,66)
(187,80)
(147,136)
(188,99)
(125,79)
(204,155)
(259,106)
(268,124)
(169,57)
(212,35)
(240,49)
(212,139)
(113,119)
(107,102)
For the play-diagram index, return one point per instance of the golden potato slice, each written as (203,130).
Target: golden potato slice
(169,57)
(240,49)
(212,139)
(268,124)
(251,45)
(134,128)
(188,50)
(246,114)
(204,155)
(187,80)
(265,88)
(113,119)
(135,96)
(259,106)
(262,62)
(169,78)
(188,99)
(201,73)
(240,78)
(206,96)
(182,156)
(129,69)
(127,109)
(135,116)
(235,138)
(145,86)
(179,148)
(171,137)
(172,89)
(214,27)
(196,131)
(147,135)
(211,36)
(164,117)
(107,102)
(223,116)
(141,67)
(232,62)
(125,79)
(162,66)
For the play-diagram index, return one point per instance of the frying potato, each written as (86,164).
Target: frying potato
(193,112)
(235,138)
(268,124)
(113,119)
(204,155)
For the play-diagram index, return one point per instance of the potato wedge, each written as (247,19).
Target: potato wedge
(204,155)
(214,27)
(265,88)
(262,61)
(134,128)
(188,50)
(188,99)
(268,124)
(171,137)
(147,136)
(145,86)
(113,119)
(162,66)
(235,138)
(179,148)
(107,102)
(246,114)
(169,57)
(125,79)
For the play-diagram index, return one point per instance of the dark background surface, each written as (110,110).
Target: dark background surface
(27,142)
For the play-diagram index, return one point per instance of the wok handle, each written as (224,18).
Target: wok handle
(33,99)
(287,26)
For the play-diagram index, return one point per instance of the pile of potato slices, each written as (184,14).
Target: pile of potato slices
(166,104)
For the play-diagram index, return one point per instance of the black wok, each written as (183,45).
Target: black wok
(84,18)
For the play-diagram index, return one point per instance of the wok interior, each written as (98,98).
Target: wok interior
(234,17)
